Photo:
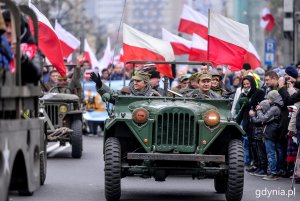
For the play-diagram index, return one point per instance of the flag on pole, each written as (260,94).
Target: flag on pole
(140,46)
(49,43)
(89,55)
(107,57)
(68,42)
(180,45)
(192,21)
(252,57)
(228,41)
(199,49)
(267,20)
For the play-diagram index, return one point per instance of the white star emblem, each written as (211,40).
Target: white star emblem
(6,153)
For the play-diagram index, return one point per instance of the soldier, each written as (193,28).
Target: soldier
(154,81)
(138,86)
(204,91)
(182,86)
(215,82)
(52,81)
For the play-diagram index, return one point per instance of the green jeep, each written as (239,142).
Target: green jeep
(63,118)
(173,136)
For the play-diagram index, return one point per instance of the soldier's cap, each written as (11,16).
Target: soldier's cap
(182,78)
(204,76)
(61,77)
(194,76)
(143,76)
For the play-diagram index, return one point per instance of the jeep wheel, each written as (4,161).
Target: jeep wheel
(235,183)
(112,169)
(220,182)
(76,138)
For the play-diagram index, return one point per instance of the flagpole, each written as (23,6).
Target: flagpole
(208,34)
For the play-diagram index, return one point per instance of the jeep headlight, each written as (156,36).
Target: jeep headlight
(140,116)
(63,108)
(211,118)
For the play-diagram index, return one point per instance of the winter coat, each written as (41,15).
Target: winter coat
(271,119)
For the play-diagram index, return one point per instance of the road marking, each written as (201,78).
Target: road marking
(52,147)
(59,150)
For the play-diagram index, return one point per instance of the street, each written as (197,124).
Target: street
(82,180)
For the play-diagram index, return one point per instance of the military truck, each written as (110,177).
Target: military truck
(63,118)
(22,137)
(173,136)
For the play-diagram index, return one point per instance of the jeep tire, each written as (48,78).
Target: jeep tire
(112,169)
(235,182)
(76,138)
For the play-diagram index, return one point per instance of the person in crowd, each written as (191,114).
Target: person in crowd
(30,58)
(104,75)
(139,86)
(118,73)
(260,150)
(235,85)
(249,97)
(271,120)
(154,81)
(261,73)
(204,91)
(53,80)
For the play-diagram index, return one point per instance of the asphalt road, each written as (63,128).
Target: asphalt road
(83,180)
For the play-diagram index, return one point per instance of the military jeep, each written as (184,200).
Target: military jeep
(173,136)
(63,118)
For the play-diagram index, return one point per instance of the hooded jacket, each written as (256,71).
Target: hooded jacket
(271,119)
(254,96)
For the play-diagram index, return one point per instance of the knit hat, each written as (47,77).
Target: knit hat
(246,66)
(154,74)
(143,76)
(272,95)
(292,71)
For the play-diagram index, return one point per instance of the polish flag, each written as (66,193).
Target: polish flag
(192,21)
(199,49)
(49,42)
(89,55)
(228,41)
(140,46)
(107,57)
(252,57)
(121,58)
(180,45)
(68,42)
(267,20)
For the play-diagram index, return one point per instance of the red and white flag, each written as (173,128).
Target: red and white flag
(68,42)
(89,55)
(49,43)
(140,46)
(199,49)
(192,21)
(107,57)
(267,20)
(252,57)
(228,41)
(180,45)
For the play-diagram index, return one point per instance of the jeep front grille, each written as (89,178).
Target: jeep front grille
(175,131)
(52,112)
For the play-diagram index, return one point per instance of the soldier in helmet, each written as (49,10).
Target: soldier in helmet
(138,86)
(204,91)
